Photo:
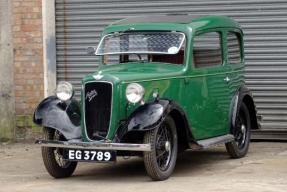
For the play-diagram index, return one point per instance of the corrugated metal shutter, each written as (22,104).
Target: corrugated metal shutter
(79,23)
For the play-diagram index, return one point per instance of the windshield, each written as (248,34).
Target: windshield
(141,43)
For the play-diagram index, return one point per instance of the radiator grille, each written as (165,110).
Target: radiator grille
(98,101)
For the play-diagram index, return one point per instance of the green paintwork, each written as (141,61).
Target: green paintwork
(202,93)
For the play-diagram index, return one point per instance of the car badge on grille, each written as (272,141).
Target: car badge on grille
(98,76)
(91,94)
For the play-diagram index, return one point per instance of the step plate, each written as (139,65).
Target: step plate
(206,143)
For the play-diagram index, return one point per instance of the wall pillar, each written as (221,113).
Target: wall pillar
(7,97)
(28,64)
(49,46)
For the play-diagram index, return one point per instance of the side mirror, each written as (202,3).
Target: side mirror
(91,51)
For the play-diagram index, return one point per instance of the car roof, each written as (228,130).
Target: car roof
(176,22)
(184,19)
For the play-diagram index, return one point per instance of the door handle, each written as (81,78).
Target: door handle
(227,79)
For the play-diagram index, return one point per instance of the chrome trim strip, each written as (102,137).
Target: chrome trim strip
(95,145)
(182,77)
(84,107)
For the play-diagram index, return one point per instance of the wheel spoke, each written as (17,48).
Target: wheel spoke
(58,154)
(161,154)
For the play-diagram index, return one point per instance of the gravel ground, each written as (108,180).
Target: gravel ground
(264,169)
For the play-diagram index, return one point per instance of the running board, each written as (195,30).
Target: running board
(206,143)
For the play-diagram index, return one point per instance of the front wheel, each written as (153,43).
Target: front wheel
(53,159)
(161,160)
(239,147)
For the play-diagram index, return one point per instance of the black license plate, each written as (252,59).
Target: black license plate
(89,155)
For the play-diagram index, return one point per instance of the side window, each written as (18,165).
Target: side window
(234,48)
(207,50)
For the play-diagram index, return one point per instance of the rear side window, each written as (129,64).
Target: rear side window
(207,50)
(234,48)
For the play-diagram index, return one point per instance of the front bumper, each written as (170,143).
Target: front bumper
(95,145)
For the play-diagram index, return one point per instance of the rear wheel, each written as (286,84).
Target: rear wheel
(239,147)
(161,160)
(53,159)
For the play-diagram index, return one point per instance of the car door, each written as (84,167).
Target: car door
(207,91)
(235,61)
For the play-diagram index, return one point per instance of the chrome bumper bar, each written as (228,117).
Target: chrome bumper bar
(95,145)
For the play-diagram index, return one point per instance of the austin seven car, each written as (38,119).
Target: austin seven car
(164,84)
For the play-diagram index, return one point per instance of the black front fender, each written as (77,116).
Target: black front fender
(144,118)
(62,116)
(147,116)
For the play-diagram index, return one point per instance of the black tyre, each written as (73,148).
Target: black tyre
(53,159)
(239,147)
(161,160)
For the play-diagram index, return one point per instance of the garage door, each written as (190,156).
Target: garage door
(79,23)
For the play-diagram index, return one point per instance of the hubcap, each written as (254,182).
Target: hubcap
(243,131)
(167,146)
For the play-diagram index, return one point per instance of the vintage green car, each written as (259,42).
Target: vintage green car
(165,84)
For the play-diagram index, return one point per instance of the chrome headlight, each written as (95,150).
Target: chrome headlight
(64,91)
(134,92)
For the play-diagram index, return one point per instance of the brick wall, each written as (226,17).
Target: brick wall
(28,62)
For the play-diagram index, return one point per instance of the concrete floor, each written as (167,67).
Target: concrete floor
(264,169)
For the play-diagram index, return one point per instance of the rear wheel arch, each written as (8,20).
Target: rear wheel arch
(249,102)
(243,95)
